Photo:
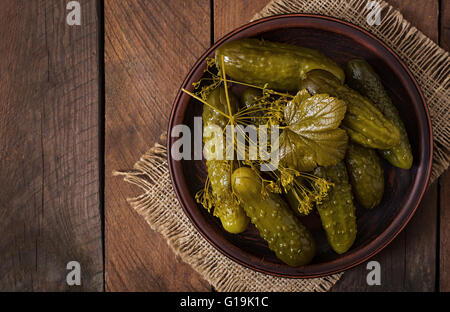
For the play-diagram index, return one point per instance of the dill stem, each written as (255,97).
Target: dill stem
(231,118)
(204,102)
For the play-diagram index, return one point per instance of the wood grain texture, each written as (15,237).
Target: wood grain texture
(149,48)
(409,263)
(444,38)
(444,247)
(49,147)
(229,15)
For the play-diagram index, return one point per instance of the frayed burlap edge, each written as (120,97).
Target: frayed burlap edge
(160,208)
(429,63)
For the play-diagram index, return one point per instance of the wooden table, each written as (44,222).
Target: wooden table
(78,102)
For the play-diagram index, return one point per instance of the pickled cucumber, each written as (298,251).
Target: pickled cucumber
(365,124)
(294,200)
(337,211)
(366,175)
(286,235)
(362,77)
(227,208)
(248,99)
(249,96)
(279,65)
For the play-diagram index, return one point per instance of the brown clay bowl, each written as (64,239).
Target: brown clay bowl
(340,41)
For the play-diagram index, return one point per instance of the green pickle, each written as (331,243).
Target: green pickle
(248,99)
(279,65)
(227,208)
(337,211)
(366,175)
(296,199)
(293,198)
(362,77)
(365,124)
(286,235)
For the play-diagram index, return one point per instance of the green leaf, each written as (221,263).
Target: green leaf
(312,137)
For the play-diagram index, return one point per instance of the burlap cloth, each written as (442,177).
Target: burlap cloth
(160,208)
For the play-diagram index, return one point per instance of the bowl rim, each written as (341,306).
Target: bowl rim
(375,245)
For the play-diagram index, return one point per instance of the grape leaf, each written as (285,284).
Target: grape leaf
(312,136)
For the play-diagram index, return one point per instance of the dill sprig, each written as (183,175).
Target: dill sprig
(268,109)
(309,190)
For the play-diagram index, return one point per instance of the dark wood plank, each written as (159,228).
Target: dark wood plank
(409,263)
(230,14)
(444,181)
(149,48)
(444,269)
(444,38)
(49,156)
